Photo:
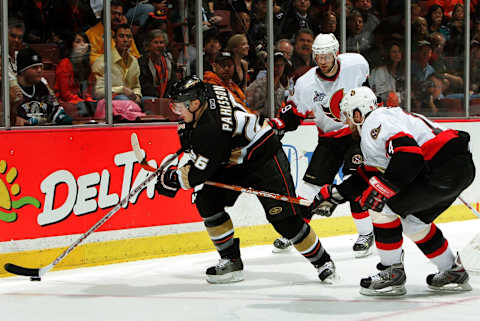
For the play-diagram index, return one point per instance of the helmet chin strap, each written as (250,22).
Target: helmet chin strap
(334,64)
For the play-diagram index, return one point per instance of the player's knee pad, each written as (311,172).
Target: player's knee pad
(289,227)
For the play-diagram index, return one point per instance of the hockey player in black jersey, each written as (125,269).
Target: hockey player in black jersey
(414,170)
(230,145)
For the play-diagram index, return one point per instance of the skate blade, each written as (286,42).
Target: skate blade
(331,279)
(276,250)
(231,277)
(452,287)
(388,291)
(365,253)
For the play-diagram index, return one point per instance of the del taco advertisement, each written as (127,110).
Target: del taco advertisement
(57,182)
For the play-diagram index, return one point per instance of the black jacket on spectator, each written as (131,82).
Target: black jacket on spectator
(293,22)
(147,79)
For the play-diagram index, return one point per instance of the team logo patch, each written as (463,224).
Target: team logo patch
(275,210)
(374,132)
(357,159)
(318,96)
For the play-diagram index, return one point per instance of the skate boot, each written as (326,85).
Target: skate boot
(363,246)
(281,245)
(390,281)
(454,279)
(326,272)
(229,268)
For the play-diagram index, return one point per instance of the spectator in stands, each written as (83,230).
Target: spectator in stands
(419,32)
(297,18)
(285,46)
(450,68)
(157,69)
(370,21)
(238,46)
(455,43)
(16,30)
(436,21)
(302,54)
(257,91)
(329,23)
(429,96)
(223,70)
(73,78)
(241,22)
(139,13)
(358,40)
(421,69)
(388,81)
(95,33)
(475,67)
(39,105)
(125,69)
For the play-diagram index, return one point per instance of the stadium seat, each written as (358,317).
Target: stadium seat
(49,52)
(225,25)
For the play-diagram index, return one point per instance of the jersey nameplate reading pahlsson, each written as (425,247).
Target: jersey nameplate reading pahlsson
(225,106)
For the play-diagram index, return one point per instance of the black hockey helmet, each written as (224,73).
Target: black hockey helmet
(188,89)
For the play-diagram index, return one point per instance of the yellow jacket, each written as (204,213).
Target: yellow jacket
(95,36)
(122,75)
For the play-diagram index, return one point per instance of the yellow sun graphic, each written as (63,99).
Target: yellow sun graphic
(13,189)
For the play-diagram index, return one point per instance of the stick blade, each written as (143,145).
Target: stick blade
(136,147)
(20,270)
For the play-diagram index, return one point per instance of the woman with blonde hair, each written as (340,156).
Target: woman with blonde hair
(238,46)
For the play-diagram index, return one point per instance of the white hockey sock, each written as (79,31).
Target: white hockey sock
(363,222)
(390,257)
(307,190)
(445,260)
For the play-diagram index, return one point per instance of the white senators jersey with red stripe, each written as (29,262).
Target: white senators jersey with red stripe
(313,91)
(385,124)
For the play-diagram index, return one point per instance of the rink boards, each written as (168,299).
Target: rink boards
(56,184)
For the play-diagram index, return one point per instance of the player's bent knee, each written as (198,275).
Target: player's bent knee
(289,227)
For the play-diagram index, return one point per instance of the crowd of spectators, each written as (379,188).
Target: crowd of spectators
(152,46)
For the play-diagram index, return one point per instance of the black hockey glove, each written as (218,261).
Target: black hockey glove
(326,201)
(184,131)
(167,183)
(278,126)
(377,194)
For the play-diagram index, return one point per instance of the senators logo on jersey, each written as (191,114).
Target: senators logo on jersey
(375,132)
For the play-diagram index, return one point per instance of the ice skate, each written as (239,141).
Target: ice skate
(390,281)
(363,246)
(229,268)
(454,279)
(326,272)
(281,245)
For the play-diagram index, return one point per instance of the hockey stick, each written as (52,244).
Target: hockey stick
(290,199)
(469,206)
(36,273)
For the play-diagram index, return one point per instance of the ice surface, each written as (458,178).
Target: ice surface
(277,287)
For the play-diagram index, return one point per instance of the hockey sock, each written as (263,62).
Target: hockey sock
(307,190)
(388,238)
(434,246)
(363,222)
(220,230)
(307,243)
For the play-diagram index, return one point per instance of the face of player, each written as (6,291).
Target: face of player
(325,62)
(157,46)
(353,124)
(123,39)
(186,114)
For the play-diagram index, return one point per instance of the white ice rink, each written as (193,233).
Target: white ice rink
(277,287)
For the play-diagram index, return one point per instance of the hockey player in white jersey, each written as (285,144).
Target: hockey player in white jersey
(413,171)
(335,144)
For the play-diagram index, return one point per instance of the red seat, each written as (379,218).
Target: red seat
(226,24)
(159,107)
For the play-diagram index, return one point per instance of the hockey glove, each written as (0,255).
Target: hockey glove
(377,194)
(185,134)
(278,126)
(326,201)
(167,183)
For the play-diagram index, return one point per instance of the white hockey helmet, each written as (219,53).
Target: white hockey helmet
(361,99)
(325,43)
